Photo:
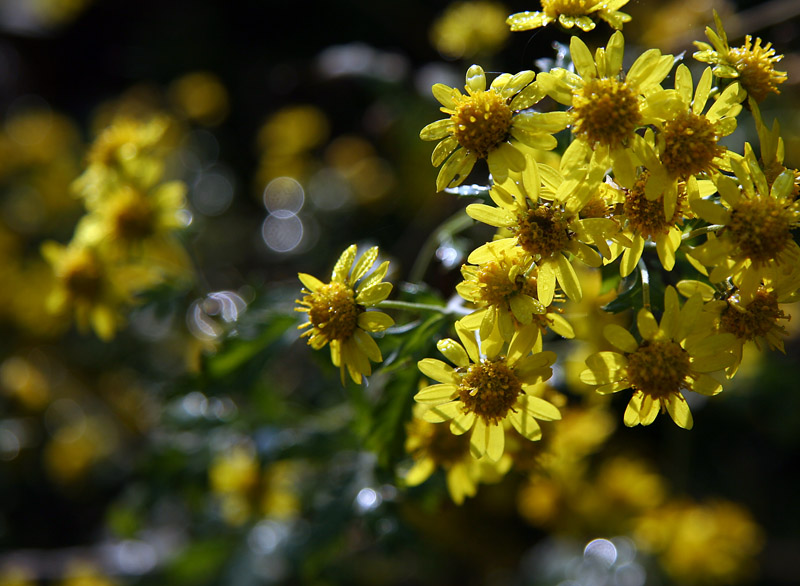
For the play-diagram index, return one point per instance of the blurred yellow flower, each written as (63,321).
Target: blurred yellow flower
(466,29)
(201,97)
(712,543)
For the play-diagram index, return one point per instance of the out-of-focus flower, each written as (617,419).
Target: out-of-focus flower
(488,124)
(85,574)
(78,445)
(487,388)
(337,311)
(711,543)
(752,64)
(94,290)
(466,29)
(570,13)
(201,97)
(674,355)
(22,379)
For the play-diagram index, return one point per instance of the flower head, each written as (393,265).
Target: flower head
(488,124)
(570,13)
(606,106)
(504,289)
(337,311)
(755,243)
(752,64)
(546,230)
(674,355)
(487,388)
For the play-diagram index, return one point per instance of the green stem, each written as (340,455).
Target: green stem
(454,224)
(645,283)
(411,306)
(700,231)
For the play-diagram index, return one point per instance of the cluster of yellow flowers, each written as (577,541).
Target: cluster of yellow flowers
(126,241)
(646,167)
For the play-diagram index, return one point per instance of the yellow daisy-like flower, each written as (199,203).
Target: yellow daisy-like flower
(674,355)
(644,221)
(432,446)
(337,311)
(488,124)
(94,289)
(545,230)
(608,106)
(487,388)
(466,29)
(131,222)
(687,141)
(758,319)
(752,64)
(570,13)
(128,150)
(755,244)
(504,289)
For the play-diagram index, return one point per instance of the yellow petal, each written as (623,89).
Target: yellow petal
(679,411)
(647,324)
(582,58)
(311,282)
(621,338)
(443,412)
(363,265)
(539,408)
(462,423)
(526,425)
(420,472)
(567,278)
(497,217)
(438,371)
(374,321)
(478,439)
(495,442)
(342,267)
(453,351)
(374,294)
(436,394)
(437,130)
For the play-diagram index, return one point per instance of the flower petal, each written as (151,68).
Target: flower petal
(679,411)
(438,371)
(621,338)
(436,394)
(539,408)
(374,321)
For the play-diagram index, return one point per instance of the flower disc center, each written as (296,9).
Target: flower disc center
(690,144)
(490,390)
(481,122)
(761,227)
(658,368)
(605,112)
(333,310)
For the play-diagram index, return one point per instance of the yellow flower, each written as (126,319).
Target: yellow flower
(130,222)
(749,321)
(488,124)
(687,141)
(644,221)
(755,243)
(608,106)
(504,289)
(488,388)
(470,28)
(337,312)
(545,230)
(95,290)
(674,355)
(569,13)
(432,446)
(702,543)
(126,151)
(752,64)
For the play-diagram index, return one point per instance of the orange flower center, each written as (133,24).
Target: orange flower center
(83,276)
(489,389)
(497,284)
(690,144)
(481,122)
(658,368)
(333,310)
(605,112)
(761,227)
(542,231)
(756,66)
(134,218)
(646,216)
(756,319)
(553,8)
